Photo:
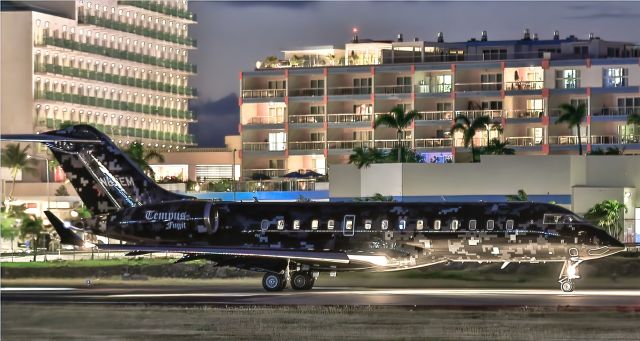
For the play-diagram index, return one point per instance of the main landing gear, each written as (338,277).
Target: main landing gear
(300,280)
(568,274)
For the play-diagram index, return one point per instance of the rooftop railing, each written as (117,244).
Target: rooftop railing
(158,7)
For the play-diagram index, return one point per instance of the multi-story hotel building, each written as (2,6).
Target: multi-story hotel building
(311,108)
(121,66)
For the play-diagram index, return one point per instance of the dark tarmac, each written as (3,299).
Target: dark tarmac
(425,298)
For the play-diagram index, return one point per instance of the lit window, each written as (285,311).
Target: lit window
(509,225)
(420,225)
(330,224)
(314,224)
(454,224)
(264,224)
(490,225)
(296,224)
(281,224)
(402,224)
(472,224)
(436,224)
(367,224)
(616,77)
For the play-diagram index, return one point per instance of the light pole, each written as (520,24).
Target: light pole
(47,166)
(233,175)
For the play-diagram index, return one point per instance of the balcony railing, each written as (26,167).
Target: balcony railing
(615,139)
(349,144)
(393,89)
(310,92)
(115,79)
(566,140)
(524,113)
(86,18)
(433,89)
(113,104)
(264,93)
(306,118)
(435,116)
(473,114)
(524,85)
(270,172)
(522,141)
(119,54)
(266,120)
(388,144)
(306,145)
(160,8)
(345,91)
(616,111)
(348,117)
(433,143)
(477,142)
(478,86)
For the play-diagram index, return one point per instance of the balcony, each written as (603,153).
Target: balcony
(263,173)
(473,114)
(306,118)
(263,146)
(308,92)
(158,7)
(348,118)
(523,113)
(435,116)
(264,93)
(464,87)
(349,91)
(349,144)
(524,85)
(566,140)
(434,143)
(306,145)
(118,54)
(388,144)
(616,111)
(433,89)
(477,142)
(266,120)
(522,141)
(615,139)
(393,89)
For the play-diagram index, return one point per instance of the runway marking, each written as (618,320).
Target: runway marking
(35,289)
(230,294)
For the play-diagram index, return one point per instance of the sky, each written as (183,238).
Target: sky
(233,35)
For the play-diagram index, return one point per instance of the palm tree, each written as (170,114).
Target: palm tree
(607,214)
(521,196)
(142,157)
(31,227)
(406,155)
(271,61)
(397,119)
(469,129)
(364,157)
(495,147)
(573,116)
(634,119)
(17,159)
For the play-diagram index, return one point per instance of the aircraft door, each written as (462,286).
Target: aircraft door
(348,225)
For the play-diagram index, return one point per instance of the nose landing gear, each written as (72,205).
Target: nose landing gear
(568,274)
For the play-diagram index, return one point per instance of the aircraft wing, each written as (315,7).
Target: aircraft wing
(316,256)
(44,138)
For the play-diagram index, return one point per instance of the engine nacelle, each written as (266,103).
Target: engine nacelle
(174,222)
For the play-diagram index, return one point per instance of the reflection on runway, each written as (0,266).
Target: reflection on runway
(226,295)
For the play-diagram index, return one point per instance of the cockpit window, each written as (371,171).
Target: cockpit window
(559,218)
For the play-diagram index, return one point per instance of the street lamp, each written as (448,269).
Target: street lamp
(47,162)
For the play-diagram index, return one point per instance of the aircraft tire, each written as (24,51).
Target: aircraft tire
(273,282)
(301,280)
(567,286)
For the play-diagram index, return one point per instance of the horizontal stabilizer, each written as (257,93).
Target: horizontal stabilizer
(67,236)
(137,253)
(315,256)
(44,138)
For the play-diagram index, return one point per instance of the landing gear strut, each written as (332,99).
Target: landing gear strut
(302,280)
(568,274)
(274,281)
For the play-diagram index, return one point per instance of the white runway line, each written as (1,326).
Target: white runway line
(17,289)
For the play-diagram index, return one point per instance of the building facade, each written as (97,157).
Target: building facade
(310,109)
(121,66)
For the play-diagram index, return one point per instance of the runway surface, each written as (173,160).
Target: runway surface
(226,295)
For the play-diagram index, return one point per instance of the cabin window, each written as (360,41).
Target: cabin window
(281,224)
(264,225)
(314,224)
(330,224)
(296,224)
(472,224)
(420,225)
(454,224)
(509,225)
(385,224)
(349,224)
(367,224)
(490,225)
(402,224)
(436,224)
